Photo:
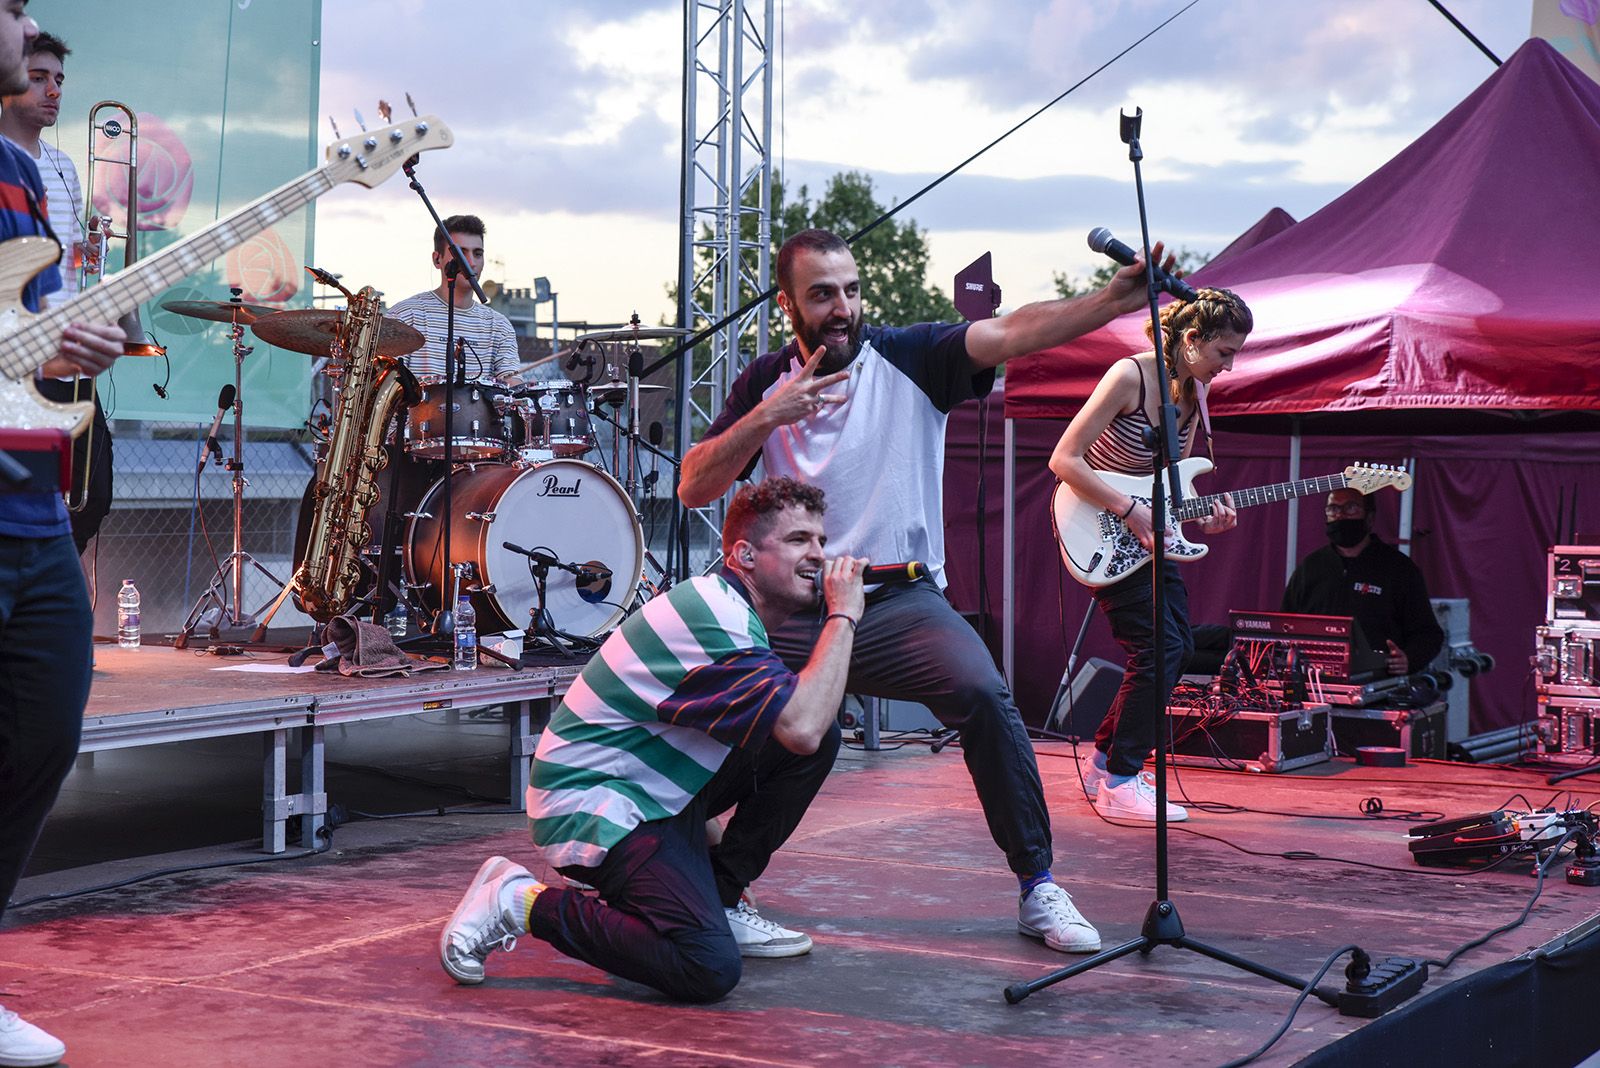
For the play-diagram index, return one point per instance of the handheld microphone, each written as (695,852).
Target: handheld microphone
(1100,240)
(224,402)
(878,574)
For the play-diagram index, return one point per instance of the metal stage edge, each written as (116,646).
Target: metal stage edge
(290,712)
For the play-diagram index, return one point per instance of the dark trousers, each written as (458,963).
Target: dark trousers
(91,452)
(913,646)
(45,636)
(1132,727)
(659,918)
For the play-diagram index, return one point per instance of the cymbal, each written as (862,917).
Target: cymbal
(628,333)
(617,392)
(221,311)
(311,330)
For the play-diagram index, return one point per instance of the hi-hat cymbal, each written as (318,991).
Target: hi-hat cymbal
(311,330)
(628,333)
(221,311)
(617,392)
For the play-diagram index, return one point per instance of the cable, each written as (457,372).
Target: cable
(690,342)
(1540,870)
(1457,23)
(1305,992)
(325,833)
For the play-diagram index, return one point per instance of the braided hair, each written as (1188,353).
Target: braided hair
(1212,313)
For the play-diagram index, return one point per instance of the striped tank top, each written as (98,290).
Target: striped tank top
(1121,449)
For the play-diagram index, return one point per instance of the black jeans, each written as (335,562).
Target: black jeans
(1132,727)
(659,919)
(46,632)
(913,646)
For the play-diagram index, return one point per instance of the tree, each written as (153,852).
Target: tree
(1067,285)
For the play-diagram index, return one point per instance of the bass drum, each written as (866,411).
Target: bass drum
(572,510)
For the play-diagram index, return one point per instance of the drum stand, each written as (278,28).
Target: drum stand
(225,593)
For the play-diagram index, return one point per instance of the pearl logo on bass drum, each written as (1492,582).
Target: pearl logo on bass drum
(553,488)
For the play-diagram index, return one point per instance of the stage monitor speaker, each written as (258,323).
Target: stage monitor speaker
(1083,701)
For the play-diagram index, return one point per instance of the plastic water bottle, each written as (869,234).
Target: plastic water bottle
(128,615)
(466,658)
(396,620)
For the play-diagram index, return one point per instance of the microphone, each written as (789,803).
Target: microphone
(543,559)
(224,402)
(657,433)
(1100,240)
(878,574)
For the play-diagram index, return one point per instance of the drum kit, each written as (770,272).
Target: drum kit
(527,469)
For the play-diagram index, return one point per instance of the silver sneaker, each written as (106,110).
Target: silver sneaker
(759,937)
(479,926)
(26,1046)
(1047,912)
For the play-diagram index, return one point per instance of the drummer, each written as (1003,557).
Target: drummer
(489,341)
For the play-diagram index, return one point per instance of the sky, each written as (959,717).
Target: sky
(567,121)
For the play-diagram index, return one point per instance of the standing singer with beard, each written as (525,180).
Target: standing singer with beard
(1359,574)
(860,412)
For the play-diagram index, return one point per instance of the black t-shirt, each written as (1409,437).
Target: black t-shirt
(1381,587)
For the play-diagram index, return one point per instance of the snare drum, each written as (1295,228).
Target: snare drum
(572,510)
(478,429)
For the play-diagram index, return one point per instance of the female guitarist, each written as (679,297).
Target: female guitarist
(1199,340)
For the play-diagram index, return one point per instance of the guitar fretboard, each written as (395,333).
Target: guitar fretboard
(1200,507)
(39,340)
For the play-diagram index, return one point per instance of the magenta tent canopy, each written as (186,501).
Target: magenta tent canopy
(1460,277)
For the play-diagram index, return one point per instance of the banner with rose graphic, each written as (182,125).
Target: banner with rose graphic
(226,97)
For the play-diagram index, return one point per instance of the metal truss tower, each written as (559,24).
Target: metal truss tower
(726,216)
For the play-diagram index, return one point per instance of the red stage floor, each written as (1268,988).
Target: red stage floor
(331,960)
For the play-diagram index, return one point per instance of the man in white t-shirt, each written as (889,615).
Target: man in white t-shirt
(860,412)
(24,117)
(488,342)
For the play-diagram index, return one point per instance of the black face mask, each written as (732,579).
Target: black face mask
(1346,533)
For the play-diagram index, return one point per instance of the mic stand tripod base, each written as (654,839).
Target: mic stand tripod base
(1163,927)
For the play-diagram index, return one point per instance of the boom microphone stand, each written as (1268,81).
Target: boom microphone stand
(456,368)
(1162,926)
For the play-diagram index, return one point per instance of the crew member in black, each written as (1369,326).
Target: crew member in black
(1359,574)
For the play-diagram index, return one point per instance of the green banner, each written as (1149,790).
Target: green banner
(225,93)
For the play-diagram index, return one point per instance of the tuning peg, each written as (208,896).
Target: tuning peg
(383,111)
(359,120)
(412,104)
(337,136)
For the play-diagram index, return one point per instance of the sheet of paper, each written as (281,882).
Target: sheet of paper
(256,667)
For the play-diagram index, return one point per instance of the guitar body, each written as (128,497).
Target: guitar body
(21,406)
(1097,547)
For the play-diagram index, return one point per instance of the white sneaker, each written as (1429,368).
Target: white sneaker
(758,937)
(482,922)
(1047,912)
(24,1046)
(1093,777)
(1135,800)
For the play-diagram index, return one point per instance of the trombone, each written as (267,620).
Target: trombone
(98,233)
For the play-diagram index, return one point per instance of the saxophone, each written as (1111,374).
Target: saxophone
(346,484)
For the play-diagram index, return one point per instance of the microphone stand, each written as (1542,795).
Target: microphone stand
(444,622)
(1162,925)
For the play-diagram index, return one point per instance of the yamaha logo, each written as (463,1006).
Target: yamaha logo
(1252,624)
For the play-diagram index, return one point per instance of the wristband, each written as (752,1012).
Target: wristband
(1134,504)
(840,615)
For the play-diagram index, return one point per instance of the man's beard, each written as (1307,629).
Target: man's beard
(837,355)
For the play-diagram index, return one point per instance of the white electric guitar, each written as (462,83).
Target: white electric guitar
(28,341)
(1099,549)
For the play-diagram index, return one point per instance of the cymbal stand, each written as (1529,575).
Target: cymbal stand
(226,589)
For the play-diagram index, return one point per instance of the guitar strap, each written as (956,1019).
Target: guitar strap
(1200,392)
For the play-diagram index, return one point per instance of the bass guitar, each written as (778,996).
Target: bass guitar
(28,341)
(1099,549)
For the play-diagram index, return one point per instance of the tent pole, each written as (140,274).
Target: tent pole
(1407,500)
(1292,544)
(1008,624)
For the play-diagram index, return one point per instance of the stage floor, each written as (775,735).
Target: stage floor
(332,959)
